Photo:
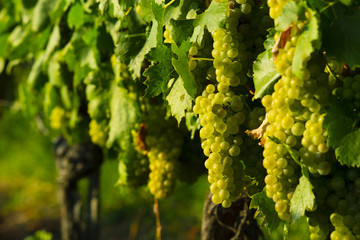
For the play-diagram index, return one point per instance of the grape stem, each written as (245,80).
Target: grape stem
(169,3)
(330,71)
(157,216)
(127,12)
(135,35)
(205,59)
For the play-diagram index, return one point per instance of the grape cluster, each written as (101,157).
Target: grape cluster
(221,105)
(337,210)
(295,112)
(221,116)
(221,112)
(98,133)
(164,150)
(199,57)
(137,168)
(57,118)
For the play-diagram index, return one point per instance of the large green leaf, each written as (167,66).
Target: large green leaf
(308,42)
(265,74)
(124,114)
(160,72)
(181,65)
(154,38)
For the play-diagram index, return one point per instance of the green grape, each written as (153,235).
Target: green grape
(164,151)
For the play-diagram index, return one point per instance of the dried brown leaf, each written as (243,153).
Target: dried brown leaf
(280,43)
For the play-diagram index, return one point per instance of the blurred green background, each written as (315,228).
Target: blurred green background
(28,200)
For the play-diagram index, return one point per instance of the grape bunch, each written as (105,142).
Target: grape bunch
(98,133)
(295,112)
(164,146)
(136,160)
(337,207)
(57,118)
(221,106)
(137,170)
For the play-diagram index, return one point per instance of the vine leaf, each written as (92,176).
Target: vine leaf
(349,151)
(182,29)
(181,66)
(212,18)
(265,211)
(341,39)
(338,122)
(116,8)
(154,38)
(123,116)
(265,74)
(41,14)
(76,16)
(289,14)
(308,42)
(158,74)
(179,100)
(303,197)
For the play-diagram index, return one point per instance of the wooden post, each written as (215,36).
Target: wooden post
(73,163)
(234,223)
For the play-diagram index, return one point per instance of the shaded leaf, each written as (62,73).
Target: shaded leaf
(181,66)
(159,73)
(265,211)
(265,74)
(349,151)
(338,122)
(307,43)
(154,38)
(341,39)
